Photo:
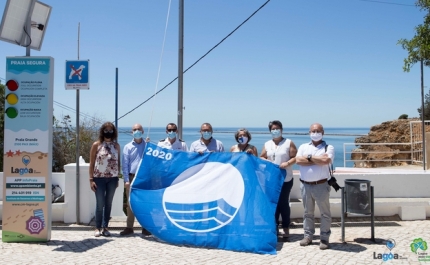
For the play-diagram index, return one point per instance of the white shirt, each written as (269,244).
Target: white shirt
(315,172)
(279,154)
(178,144)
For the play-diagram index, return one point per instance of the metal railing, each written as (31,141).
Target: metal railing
(350,151)
(417,140)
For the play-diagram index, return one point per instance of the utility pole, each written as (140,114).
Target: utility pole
(181,68)
(422,115)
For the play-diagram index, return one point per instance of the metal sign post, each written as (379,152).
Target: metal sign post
(77,78)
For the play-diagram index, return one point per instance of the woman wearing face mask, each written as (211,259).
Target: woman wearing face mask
(243,137)
(104,169)
(281,151)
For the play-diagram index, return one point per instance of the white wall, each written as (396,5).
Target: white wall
(87,197)
(386,183)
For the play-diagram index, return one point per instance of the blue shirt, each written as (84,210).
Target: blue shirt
(213,146)
(131,156)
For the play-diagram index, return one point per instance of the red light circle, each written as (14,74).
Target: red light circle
(12,85)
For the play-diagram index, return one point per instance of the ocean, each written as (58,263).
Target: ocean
(334,136)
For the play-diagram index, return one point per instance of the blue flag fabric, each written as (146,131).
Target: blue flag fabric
(215,200)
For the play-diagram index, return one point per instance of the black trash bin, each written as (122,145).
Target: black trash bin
(358,196)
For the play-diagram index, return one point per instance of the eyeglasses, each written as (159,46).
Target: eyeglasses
(315,131)
(106,131)
(172,130)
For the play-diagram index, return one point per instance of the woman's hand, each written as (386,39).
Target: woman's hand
(93,185)
(284,165)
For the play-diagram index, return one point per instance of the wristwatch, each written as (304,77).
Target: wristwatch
(309,158)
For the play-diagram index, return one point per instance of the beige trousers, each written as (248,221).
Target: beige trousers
(130,214)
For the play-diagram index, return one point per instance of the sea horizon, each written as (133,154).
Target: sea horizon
(335,136)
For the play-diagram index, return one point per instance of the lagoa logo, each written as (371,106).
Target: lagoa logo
(21,171)
(390,244)
(25,160)
(222,190)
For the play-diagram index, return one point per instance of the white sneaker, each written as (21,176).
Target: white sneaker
(105,232)
(97,233)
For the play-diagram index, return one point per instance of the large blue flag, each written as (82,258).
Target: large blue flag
(217,200)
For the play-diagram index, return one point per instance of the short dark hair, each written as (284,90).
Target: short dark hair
(207,124)
(236,134)
(171,124)
(275,122)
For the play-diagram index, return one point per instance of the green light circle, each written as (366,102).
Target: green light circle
(11,113)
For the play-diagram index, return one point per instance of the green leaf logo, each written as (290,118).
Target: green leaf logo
(417,244)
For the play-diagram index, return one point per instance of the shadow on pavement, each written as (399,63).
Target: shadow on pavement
(368,241)
(77,246)
(347,247)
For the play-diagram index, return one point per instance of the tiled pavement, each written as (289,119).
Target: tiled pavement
(72,244)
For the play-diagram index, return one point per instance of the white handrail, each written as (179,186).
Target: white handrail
(345,152)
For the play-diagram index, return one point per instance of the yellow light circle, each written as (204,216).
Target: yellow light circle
(12,99)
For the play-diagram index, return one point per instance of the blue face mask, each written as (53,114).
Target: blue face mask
(243,140)
(206,135)
(171,135)
(275,133)
(137,134)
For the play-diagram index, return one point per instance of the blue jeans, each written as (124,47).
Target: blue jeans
(283,207)
(104,196)
(320,195)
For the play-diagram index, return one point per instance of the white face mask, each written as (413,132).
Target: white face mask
(243,139)
(316,136)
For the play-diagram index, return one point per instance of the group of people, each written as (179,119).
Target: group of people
(314,159)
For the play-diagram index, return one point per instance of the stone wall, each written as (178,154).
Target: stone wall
(396,131)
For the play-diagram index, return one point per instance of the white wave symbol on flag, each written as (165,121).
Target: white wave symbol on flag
(204,197)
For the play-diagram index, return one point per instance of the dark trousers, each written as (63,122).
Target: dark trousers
(283,207)
(104,196)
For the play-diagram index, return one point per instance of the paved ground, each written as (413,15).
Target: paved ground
(76,245)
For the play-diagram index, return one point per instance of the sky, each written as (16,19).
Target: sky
(335,62)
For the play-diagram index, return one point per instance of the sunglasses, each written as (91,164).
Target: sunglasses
(106,131)
(171,130)
(135,130)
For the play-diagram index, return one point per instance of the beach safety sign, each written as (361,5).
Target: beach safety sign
(27,156)
(77,75)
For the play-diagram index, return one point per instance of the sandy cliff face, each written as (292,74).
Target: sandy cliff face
(396,131)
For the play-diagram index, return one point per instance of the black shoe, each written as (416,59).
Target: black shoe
(145,232)
(126,231)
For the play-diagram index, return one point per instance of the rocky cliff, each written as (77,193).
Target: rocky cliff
(380,155)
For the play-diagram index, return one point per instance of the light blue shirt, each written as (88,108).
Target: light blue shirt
(131,156)
(213,146)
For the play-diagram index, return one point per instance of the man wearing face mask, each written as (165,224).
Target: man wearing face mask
(172,142)
(206,143)
(131,156)
(314,162)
